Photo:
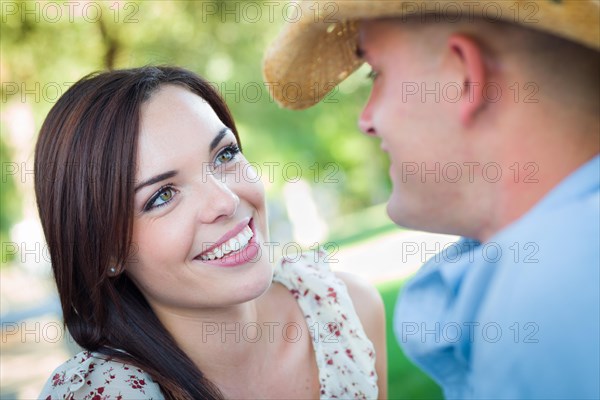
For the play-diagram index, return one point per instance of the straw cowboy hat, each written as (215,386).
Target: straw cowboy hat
(316,49)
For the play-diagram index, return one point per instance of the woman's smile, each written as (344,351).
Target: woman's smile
(236,247)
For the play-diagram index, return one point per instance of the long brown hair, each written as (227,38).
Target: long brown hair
(85,161)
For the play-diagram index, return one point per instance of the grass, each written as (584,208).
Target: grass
(405,380)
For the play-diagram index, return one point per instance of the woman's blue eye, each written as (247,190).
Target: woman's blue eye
(227,154)
(162,197)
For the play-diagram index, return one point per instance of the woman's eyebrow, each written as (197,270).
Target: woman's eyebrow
(155,179)
(169,174)
(215,142)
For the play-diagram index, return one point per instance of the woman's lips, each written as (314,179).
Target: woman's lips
(240,257)
(232,233)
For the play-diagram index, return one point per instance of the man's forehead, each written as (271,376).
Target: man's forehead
(371,32)
(365,36)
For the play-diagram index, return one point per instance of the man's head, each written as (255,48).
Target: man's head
(468,108)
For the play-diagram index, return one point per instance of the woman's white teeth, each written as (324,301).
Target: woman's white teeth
(236,243)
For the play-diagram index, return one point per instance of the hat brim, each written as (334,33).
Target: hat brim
(314,53)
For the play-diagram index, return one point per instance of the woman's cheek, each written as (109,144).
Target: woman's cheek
(256,187)
(164,241)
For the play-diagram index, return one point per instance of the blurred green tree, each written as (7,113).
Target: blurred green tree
(46,46)
(10,209)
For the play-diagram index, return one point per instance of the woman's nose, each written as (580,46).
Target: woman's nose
(221,201)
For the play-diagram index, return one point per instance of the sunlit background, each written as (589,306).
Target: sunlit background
(326,183)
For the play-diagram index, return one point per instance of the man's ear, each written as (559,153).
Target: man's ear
(468,56)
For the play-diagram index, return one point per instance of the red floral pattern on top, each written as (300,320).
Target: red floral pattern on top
(345,356)
(90,376)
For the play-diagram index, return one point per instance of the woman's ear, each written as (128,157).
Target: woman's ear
(468,57)
(115,270)
(118,266)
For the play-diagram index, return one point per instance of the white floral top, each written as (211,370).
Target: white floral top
(345,356)
(89,376)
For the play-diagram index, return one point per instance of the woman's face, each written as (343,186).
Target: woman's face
(199,215)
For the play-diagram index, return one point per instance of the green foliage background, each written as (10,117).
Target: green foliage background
(9,203)
(224,41)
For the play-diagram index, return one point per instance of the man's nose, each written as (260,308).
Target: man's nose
(365,120)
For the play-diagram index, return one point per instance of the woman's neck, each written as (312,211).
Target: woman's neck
(223,342)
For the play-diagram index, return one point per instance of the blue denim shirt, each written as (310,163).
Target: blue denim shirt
(518,316)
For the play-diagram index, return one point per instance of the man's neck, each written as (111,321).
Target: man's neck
(529,174)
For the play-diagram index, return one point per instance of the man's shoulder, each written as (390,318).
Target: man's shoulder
(550,252)
(540,317)
(553,234)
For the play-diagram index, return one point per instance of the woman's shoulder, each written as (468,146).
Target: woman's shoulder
(311,272)
(345,354)
(326,296)
(90,375)
(304,267)
(366,299)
